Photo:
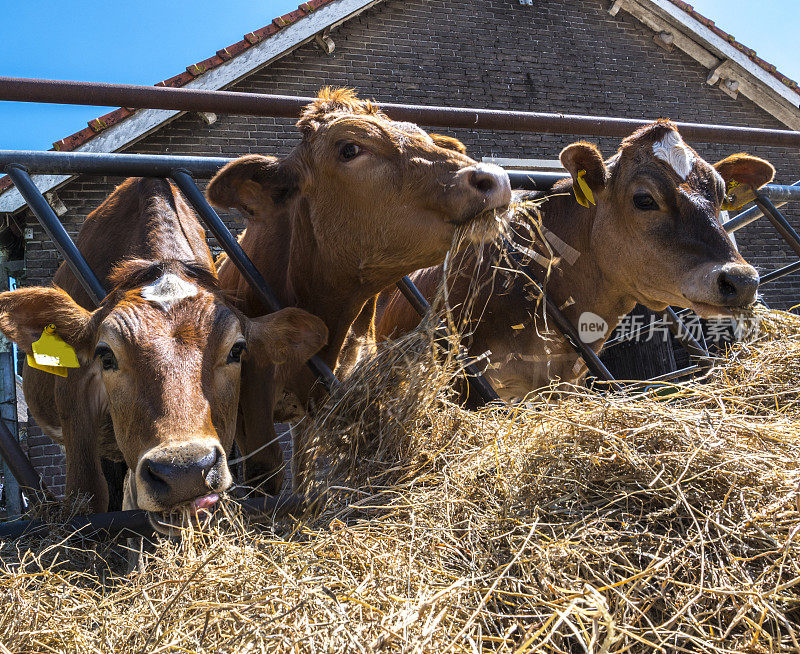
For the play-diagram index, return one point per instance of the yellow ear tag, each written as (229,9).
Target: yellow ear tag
(731,202)
(587,192)
(51,354)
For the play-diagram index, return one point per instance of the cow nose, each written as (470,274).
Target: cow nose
(737,285)
(175,474)
(492,183)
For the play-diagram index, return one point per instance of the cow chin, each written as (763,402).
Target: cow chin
(705,310)
(192,514)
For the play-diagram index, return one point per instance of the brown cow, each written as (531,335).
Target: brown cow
(653,237)
(159,382)
(360,202)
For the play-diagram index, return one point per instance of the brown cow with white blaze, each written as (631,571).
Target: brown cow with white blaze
(360,202)
(653,237)
(158,385)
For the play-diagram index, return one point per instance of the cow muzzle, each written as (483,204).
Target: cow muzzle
(482,193)
(724,290)
(185,475)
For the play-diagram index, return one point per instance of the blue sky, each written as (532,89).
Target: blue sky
(146,41)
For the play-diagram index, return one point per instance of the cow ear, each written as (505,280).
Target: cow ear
(252,184)
(585,163)
(743,175)
(26,312)
(288,337)
(448,143)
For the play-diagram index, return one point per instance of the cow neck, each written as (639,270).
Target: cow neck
(325,283)
(582,284)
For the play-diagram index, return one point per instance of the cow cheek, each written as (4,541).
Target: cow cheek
(124,405)
(224,400)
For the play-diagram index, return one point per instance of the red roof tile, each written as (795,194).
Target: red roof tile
(104,122)
(74,140)
(233,50)
(261,34)
(288,19)
(178,80)
(202,66)
(310,6)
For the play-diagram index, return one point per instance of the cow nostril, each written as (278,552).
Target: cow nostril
(726,288)
(157,472)
(737,288)
(483,182)
(210,460)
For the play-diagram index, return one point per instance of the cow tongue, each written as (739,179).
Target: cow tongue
(204,502)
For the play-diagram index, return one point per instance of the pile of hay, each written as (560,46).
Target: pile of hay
(597,523)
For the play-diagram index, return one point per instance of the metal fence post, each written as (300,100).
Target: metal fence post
(8,415)
(475,378)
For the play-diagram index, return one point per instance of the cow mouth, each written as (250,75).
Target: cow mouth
(179,518)
(707,310)
(484,226)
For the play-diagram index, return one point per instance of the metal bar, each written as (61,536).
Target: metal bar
(100,163)
(55,230)
(684,336)
(242,262)
(683,372)
(257,104)
(414,297)
(8,415)
(475,378)
(780,272)
(781,192)
(162,165)
(20,465)
(137,522)
(779,222)
(590,358)
(533,180)
(596,367)
(751,214)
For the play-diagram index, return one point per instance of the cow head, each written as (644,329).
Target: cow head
(656,229)
(381,196)
(163,354)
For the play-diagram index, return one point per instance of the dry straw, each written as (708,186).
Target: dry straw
(596,523)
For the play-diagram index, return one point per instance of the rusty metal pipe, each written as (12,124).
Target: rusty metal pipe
(20,464)
(18,89)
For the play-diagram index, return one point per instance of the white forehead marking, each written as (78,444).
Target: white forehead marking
(675,152)
(168,289)
(411,128)
(719,178)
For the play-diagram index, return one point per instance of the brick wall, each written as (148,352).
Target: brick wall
(555,56)
(45,455)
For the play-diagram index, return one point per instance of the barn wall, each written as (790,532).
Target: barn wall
(555,56)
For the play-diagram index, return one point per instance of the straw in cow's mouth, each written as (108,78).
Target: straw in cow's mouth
(486,226)
(195,512)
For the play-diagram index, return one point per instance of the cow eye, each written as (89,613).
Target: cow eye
(235,355)
(348,151)
(106,356)
(644,202)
